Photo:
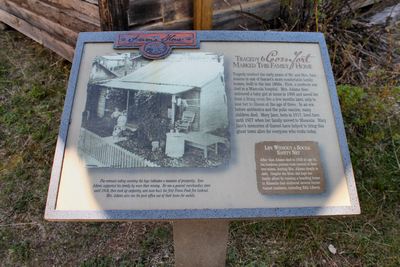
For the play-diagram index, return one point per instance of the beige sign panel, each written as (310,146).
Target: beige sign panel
(252,128)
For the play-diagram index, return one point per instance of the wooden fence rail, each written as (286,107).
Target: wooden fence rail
(110,154)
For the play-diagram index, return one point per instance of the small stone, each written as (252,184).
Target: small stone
(332,249)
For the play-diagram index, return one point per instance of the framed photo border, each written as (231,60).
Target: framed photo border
(241,213)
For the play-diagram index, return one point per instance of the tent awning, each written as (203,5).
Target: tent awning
(176,74)
(149,87)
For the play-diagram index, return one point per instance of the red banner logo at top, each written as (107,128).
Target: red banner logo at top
(156,45)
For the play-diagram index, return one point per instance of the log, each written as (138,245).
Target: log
(68,18)
(40,36)
(54,29)
(113,15)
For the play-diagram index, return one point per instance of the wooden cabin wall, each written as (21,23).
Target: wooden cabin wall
(178,14)
(53,23)
(56,23)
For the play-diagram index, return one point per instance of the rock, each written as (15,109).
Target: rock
(332,249)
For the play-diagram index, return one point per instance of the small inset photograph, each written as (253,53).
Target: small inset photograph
(163,113)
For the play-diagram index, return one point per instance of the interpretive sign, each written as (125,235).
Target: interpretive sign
(186,125)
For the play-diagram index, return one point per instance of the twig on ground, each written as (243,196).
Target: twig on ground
(393,144)
(18,224)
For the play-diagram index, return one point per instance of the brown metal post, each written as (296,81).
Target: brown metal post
(202,14)
(201,243)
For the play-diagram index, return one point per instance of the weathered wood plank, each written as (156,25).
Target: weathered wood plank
(228,19)
(40,36)
(94,2)
(105,16)
(53,28)
(76,13)
(78,6)
(251,15)
(72,20)
(182,24)
(224,4)
(146,11)
(176,10)
(113,15)
(89,17)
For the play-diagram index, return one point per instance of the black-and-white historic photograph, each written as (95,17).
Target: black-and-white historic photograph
(162,113)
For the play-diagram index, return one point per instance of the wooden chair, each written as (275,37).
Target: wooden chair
(186,122)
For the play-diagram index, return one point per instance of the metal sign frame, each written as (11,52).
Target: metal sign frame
(232,213)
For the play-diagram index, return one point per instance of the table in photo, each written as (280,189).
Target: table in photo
(177,142)
(203,141)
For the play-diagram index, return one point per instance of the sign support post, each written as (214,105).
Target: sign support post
(200,242)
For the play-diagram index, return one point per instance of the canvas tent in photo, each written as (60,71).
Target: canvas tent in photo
(183,96)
